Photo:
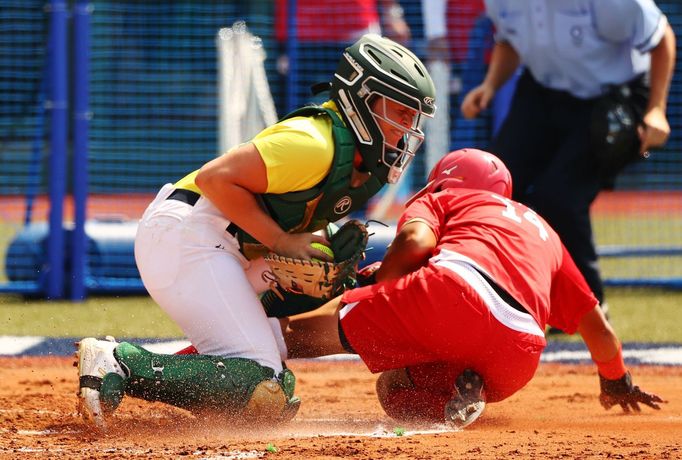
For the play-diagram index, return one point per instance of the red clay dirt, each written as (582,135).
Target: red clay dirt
(557,416)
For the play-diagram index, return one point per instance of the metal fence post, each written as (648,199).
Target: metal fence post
(81,119)
(58,139)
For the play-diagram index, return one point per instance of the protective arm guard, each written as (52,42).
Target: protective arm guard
(209,385)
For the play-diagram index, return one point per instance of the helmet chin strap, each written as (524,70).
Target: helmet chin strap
(394,174)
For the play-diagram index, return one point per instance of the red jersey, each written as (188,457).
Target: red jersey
(461,17)
(328,20)
(513,246)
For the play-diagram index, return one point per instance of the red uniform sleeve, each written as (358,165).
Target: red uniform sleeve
(570,297)
(427,210)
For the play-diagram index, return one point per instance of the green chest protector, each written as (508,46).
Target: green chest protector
(330,200)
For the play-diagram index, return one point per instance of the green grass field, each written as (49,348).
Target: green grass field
(123,316)
(658,229)
(632,231)
(642,315)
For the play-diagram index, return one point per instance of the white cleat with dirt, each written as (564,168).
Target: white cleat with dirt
(95,361)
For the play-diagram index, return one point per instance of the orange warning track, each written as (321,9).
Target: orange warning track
(131,206)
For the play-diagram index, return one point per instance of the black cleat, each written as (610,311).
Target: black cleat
(468,402)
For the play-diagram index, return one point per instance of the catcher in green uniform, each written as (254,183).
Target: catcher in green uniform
(201,243)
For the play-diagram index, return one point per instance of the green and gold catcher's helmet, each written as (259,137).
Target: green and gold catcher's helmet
(372,72)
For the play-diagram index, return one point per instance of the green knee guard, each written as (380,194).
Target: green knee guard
(208,384)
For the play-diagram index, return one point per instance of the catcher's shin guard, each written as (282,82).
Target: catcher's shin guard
(210,385)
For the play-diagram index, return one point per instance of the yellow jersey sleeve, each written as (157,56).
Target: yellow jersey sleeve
(187,182)
(297,152)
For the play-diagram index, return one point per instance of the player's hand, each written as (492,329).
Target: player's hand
(477,100)
(298,246)
(655,130)
(367,275)
(622,392)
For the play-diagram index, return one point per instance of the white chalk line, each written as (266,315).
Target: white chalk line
(301,428)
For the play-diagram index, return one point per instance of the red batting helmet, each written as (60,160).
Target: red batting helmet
(468,168)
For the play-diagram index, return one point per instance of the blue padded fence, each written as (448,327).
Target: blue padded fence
(137,106)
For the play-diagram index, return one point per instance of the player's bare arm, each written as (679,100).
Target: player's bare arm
(411,249)
(231,182)
(315,333)
(503,63)
(598,335)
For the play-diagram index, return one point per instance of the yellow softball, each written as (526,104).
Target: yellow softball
(326,249)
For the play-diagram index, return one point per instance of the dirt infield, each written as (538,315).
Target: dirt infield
(557,416)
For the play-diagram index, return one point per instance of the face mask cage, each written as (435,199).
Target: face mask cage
(401,127)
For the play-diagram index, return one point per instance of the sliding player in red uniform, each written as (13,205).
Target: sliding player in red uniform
(457,315)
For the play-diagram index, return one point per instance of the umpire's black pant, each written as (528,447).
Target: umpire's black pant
(545,144)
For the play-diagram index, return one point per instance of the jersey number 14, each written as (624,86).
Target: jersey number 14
(511,212)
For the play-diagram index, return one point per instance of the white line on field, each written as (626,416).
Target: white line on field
(16,345)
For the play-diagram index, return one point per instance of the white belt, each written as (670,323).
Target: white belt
(502,311)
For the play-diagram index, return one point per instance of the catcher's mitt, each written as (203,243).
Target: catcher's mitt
(321,279)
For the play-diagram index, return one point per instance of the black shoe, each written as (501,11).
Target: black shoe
(468,402)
